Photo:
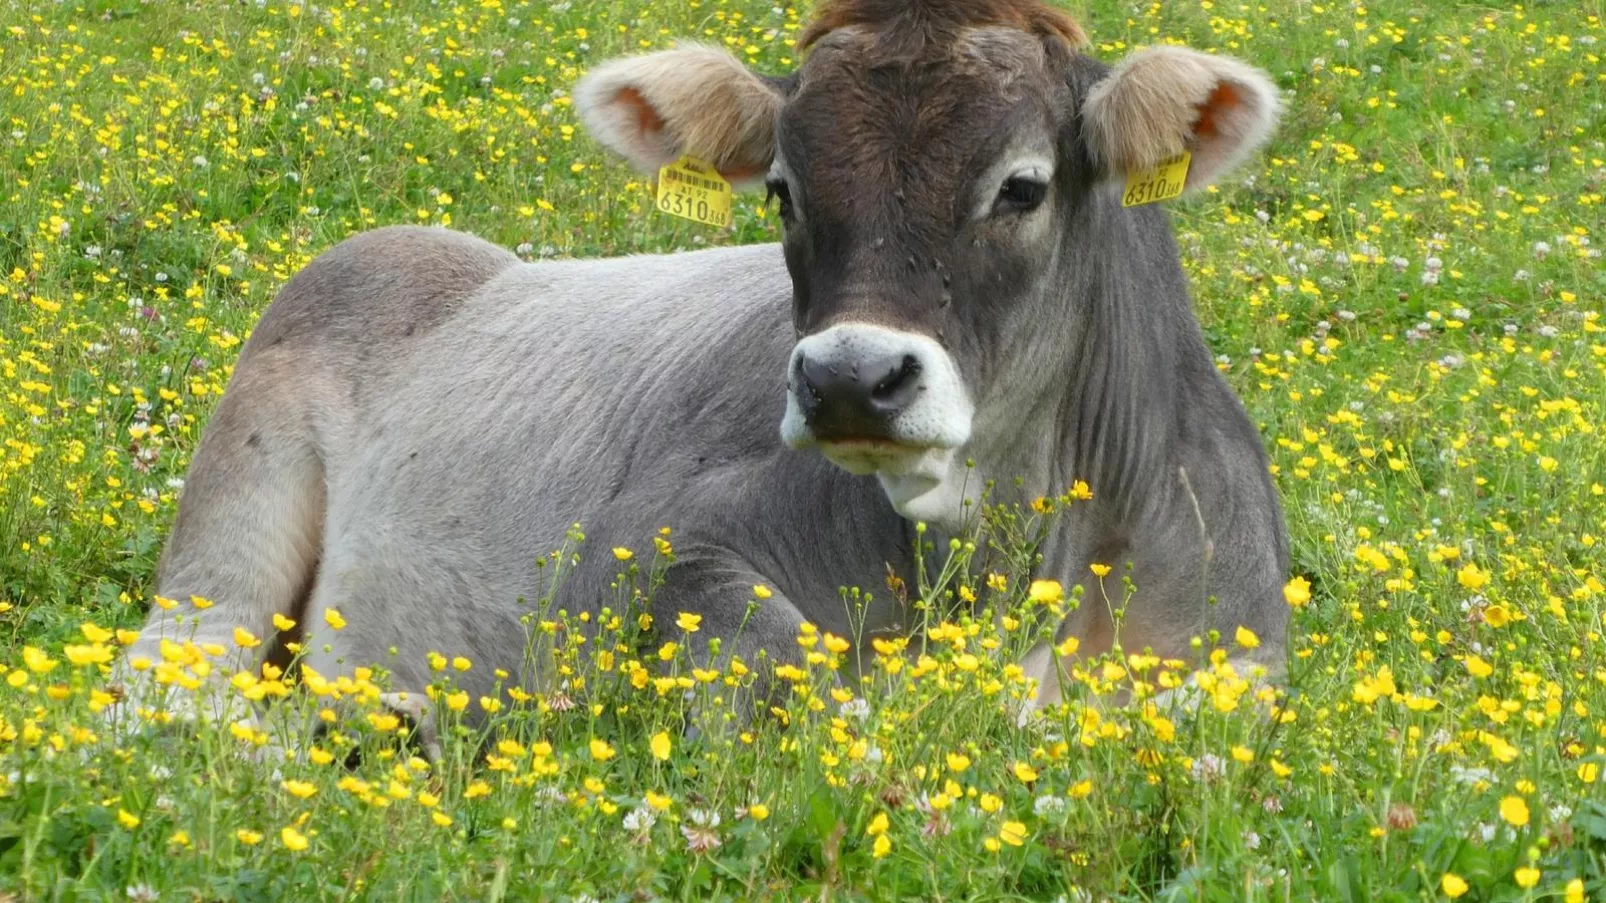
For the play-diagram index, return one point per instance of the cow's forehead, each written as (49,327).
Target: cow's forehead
(988,53)
(876,108)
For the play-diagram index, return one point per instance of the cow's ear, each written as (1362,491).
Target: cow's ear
(693,100)
(1161,101)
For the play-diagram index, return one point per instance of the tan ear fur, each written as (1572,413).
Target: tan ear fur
(1162,100)
(694,100)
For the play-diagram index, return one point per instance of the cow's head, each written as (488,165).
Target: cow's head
(930,158)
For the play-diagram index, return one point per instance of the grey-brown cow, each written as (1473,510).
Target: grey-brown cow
(419,416)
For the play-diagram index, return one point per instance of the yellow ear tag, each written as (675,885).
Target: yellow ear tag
(1162,183)
(694,190)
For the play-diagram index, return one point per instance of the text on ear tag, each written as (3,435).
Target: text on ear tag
(694,190)
(1162,183)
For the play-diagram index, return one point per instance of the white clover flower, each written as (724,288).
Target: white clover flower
(640,819)
(1207,768)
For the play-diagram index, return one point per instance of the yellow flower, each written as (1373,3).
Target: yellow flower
(95,634)
(1477,667)
(299,789)
(1497,616)
(201,603)
(878,825)
(1243,754)
(92,654)
(1099,570)
(688,622)
(441,819)
(36,660)
(1527,877)
(1296,592)
(658,801)
(282,623)
(293,840)
(660,745)
(331,616)
(1012,833)
(1080,490)
(1045,592)
(245,639)
(958,762)
(461,664)
(882,846)
(990,803)
(992,845)
(601,751)
(127,819)
(1574,892)
(759,811)
(1246,637)
(248,837)
(623,554)
(1080,790)
(1472,577)
(1588,772)
(1514,810)
(836,644)
(762,592)
(1025,773)
(1452,885)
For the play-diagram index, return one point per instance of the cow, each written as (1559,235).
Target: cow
(959,298)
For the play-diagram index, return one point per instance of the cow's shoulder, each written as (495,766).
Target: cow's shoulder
(381,288)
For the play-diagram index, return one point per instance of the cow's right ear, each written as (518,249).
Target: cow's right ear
(693,100)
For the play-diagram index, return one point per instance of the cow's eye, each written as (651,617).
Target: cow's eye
(776,187)
(1020,194)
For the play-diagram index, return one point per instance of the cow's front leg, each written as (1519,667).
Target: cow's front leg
(754,622)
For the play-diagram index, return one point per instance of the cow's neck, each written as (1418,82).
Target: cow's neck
(1101,399)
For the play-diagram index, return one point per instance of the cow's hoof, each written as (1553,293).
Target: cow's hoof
(416,708)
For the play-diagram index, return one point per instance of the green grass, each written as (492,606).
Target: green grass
(1405,288)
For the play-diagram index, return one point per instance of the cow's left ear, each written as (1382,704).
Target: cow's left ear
(1163,100)
(695,100)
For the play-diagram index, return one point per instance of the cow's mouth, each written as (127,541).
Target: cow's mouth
(922,483)
(866,456)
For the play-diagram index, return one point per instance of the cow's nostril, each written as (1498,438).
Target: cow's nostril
(894,389)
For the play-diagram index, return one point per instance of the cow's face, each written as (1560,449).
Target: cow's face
(926,180)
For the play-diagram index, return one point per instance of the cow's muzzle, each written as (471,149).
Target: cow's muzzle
(855,399)
(874,399)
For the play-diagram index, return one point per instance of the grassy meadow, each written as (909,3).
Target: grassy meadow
(1405,287)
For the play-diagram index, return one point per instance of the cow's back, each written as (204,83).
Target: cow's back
(378,292)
